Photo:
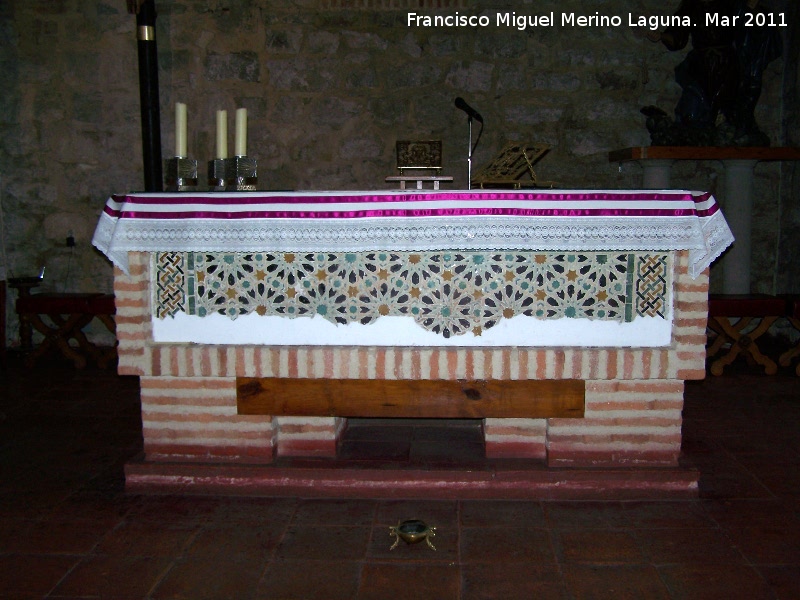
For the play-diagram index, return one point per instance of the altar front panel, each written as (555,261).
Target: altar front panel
(624,259)
(449,298)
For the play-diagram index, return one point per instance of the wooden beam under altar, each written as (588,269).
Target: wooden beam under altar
(443,399)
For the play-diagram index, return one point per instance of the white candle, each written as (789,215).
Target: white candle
(180,129)
(241,132)
(222,134)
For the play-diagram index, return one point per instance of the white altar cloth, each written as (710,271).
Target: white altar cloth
(543,220)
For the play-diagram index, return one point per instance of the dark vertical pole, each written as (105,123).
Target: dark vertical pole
(148,94)
(788,267)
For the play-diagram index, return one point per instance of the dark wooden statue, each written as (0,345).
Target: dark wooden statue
(720,76)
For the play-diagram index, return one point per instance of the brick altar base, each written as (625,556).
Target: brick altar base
(625,444)
(512,480)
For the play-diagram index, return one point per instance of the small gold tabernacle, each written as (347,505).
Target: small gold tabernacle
(411,532)
(419,162)
(419,154)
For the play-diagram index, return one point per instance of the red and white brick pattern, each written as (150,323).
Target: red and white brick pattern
(195,418)
(516,438)
(634,396)
(308,436)
(625,423)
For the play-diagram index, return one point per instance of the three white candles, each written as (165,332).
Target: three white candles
(222,132)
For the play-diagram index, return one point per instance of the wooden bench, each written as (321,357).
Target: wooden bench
(61,318)
(730,317)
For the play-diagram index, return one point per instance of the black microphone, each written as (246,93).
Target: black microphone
(460,104)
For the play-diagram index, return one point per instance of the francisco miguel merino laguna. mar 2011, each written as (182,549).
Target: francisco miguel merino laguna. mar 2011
(522,22)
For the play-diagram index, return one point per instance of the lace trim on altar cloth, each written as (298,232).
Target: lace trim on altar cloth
(705,238)
(448,293)
(718,236)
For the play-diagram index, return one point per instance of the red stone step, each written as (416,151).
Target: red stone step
(512,481)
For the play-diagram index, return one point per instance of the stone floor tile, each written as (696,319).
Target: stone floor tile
(502,513)
(395,451)
(597,546)
(579,515)
(179,511)
(235,542)
(118,577)
(715,582)
(448,452)
(784,580)
(310,580)
(12,533)
(380,581)
(450,429)
(210,579)
(620,582)
(780,480)
(58,537)
(28,498)
(390,430)
(319,542)
(771,545)
(688,546)
(23,576)
(110,508)
(720,477)
(512,581)
(146,539)
(414,441)
(506,544)
(654,515)
(334,512)
(275,513)
(733,513)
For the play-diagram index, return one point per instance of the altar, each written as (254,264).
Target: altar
(567,321)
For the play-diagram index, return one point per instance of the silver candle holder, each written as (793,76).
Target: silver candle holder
(217,179)
(241,174)
(181,174)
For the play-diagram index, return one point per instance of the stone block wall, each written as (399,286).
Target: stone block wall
(330,86)
(634,396)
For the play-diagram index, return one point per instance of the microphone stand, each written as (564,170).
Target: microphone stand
(469,153)
(471,113)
